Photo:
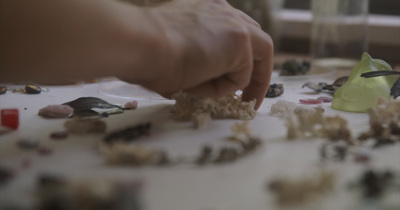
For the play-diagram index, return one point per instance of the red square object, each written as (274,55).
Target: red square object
(10,118)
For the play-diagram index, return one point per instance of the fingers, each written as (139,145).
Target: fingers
(262,48)
(259,83)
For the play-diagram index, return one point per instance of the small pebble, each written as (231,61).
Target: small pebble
(56,111)
(131,105)
(59,135)
(310,101)
(44,151)
(325,99)
(27,144)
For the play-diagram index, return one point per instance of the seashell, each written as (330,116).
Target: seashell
(32,89)
(3,90)
(87,103)
(275,90)
(314,86)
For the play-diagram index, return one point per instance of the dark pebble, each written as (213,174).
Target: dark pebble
(32,89)
(58,135)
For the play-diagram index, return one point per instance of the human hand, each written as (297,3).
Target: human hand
(216,50)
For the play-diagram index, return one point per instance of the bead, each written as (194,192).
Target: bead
(10,118)
(310,101)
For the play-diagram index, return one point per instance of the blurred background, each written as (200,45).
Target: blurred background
(289,22)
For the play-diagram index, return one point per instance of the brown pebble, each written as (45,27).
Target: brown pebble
(59,135)
(56,111)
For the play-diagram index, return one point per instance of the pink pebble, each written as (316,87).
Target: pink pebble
(310,101)
(44,151)
(56,111)
(325,99)
(131,105)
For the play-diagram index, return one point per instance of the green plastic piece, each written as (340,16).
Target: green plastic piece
(359,94)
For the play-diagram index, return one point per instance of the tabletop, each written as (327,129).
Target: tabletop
(238,185)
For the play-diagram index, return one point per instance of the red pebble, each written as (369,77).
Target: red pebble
(310,101)
(325,99)
(10,118)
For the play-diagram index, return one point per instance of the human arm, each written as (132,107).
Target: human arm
(204,47)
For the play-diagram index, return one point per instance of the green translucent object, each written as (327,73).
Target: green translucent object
(358,93)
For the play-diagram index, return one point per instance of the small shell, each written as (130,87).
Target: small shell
(3,90)
(314,86)
(340,81)
(32,89)
(275,90)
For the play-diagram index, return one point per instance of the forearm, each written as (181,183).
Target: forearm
(50,41)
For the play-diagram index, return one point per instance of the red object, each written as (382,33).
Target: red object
(325,99)
(310,101)
(10,118)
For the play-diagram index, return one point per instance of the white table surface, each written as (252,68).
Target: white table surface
(240,185)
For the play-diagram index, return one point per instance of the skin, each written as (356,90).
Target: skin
(204,47)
